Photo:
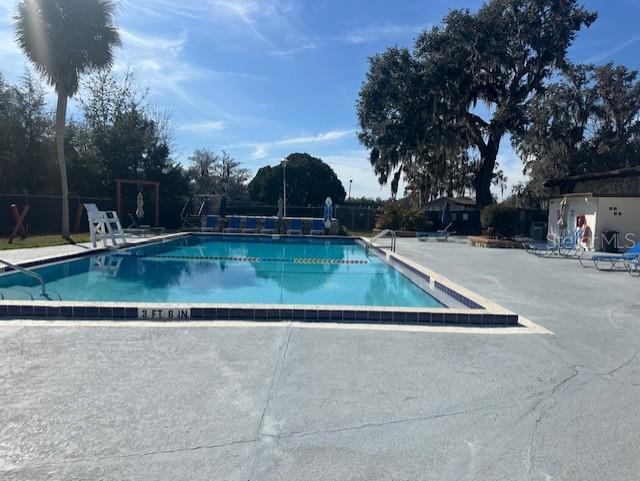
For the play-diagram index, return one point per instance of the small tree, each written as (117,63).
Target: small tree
(65,39)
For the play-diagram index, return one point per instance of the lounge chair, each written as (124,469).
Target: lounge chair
(633,266)
(250,225)
(295,227)
(630,255)
(104,225)
(136,228)
(269,226)
(441,235)
(542,249)
(211,224)
(234,225)
(317,227)
(568,246)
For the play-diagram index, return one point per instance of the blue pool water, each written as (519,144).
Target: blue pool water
(214,269)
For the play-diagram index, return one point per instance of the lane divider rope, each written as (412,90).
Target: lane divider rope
(294,260)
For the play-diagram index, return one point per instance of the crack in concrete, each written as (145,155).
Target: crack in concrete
(391,422)
(624,364)
(541,413)
(259,433)
(144,454)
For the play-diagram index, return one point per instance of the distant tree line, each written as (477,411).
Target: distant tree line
(435,115)
(117,135)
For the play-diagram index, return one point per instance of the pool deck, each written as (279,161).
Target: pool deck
(260,401)
(36,254)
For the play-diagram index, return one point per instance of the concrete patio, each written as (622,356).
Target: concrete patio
(264,402)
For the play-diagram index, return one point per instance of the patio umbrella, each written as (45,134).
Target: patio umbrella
(328,212)
(445,216)
(139,205)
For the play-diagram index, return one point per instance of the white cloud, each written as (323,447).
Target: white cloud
(259,152)
(260,19)
(354,165)
(261,149)
(370,33)
(202,127)
(607,54)
(159,63)
(511,165)
(294,50)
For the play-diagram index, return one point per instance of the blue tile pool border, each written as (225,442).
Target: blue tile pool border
(473,311)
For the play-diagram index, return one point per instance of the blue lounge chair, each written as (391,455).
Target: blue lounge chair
(269,226)
(441,235)
(234,225)
(211,224)
(568,246)
(295,227)
(317,227)
(633,266)
(613,260)
(250,225)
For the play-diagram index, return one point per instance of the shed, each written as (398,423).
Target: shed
(603,212)
(615,208)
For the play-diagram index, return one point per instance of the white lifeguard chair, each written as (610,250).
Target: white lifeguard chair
(104,225)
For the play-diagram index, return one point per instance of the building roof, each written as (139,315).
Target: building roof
(591,194)
(465,201)
(607,174)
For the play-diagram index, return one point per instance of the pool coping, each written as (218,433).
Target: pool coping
(478,311)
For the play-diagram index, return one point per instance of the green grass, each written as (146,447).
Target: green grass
(40,241)
(356,233)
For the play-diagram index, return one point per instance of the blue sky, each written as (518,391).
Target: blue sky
(264,78)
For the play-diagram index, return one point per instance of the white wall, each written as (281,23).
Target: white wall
(621,214)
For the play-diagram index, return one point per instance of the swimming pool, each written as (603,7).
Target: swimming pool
(242,276)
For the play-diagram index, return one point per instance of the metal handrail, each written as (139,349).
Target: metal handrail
(204,202)
(183,216)
(29,273)
(381,234)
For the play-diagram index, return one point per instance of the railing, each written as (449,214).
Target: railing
(380,235)
(183,213)
(29,273)
(201,209)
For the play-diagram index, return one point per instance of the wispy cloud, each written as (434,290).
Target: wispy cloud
(263,20)
(261,149)
(371,33)
(294,50)
(607,54)
(160,64)
(354,165)
(202,127)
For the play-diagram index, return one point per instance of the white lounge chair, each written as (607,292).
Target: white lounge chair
(104,225)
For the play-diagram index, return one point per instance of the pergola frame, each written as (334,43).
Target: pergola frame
(156,185)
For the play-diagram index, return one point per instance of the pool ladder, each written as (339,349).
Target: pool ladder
(380,235)
(29,273)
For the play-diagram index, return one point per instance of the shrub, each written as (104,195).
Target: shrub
(416,220)
(502,219)
(396,217)
(391,217)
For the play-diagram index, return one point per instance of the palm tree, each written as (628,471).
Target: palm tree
(65,39)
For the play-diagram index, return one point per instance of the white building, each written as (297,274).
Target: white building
(609,201)
(603,212)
